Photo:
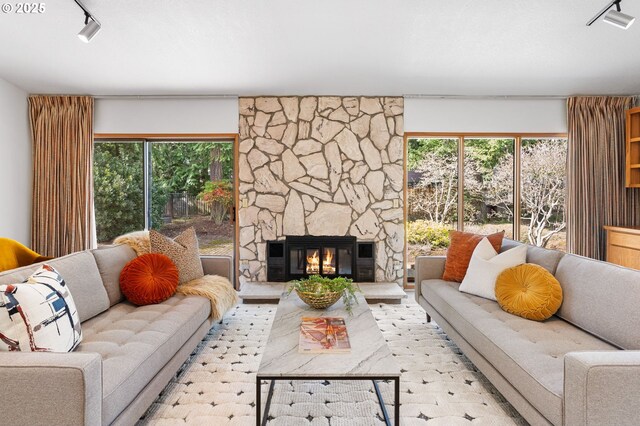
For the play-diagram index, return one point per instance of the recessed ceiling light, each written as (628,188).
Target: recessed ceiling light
(614,17)
(91,25)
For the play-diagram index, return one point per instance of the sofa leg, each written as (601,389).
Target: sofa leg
(428,318)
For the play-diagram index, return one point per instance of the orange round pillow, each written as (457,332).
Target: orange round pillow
(529,291)
(148,279)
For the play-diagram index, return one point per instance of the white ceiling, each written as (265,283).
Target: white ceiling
(394,47)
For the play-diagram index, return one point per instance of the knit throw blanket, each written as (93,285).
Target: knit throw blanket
(217,289)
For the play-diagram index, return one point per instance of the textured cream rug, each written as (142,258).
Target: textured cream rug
(439,385)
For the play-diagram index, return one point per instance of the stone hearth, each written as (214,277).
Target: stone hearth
(270,292)
(321,166)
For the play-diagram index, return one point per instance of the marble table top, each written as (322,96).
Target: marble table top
(369,357)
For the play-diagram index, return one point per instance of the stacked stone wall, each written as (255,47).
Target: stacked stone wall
(321,166)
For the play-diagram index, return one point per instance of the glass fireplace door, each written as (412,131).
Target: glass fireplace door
(296,262)
(345,261)
(329,261)
(313,261)
(307,256)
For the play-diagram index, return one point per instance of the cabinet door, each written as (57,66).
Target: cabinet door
(633,148)
(623,249)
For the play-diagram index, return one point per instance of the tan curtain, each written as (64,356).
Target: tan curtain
(596,194)
(62,213)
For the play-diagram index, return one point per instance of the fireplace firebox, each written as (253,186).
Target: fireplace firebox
(332,256)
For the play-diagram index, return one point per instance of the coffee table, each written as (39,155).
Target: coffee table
(369,359)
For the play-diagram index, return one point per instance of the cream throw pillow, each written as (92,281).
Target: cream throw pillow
(182,250)
(485,266)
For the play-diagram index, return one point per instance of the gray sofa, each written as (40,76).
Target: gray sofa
(127,356)
(580,367)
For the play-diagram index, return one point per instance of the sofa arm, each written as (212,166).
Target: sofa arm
(602,388)
(428,268)
(51,388)
(218,265)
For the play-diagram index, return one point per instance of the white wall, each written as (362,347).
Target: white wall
(485,115)
(166,115)
(15,164)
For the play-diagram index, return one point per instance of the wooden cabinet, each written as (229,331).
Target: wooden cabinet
(623,246)
(633,148)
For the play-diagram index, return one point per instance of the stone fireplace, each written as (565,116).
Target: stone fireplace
(321,166)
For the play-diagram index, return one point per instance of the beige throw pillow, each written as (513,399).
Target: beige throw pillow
(182,250)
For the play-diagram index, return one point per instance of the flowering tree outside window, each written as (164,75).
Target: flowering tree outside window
(218,193)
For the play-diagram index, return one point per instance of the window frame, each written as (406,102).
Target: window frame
(148,138)
(461,136)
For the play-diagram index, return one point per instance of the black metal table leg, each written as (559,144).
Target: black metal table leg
(258,401)
(268,404)
(396,408)
(382,406)
(262,420)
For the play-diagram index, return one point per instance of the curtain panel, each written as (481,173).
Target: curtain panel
(596,193)
(62,212)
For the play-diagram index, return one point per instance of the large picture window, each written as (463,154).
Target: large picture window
(488,186)
(542,194)
(433,170)
(168,186)
(483,184)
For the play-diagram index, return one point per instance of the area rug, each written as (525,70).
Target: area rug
(439,385)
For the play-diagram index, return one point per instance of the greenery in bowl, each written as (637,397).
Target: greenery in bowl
(321,285)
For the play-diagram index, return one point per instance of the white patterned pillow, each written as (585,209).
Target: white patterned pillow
(39,315)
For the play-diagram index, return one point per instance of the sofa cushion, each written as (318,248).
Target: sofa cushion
(182,250)
(485,267)
(461,249)
(110,261)
(148,279)
(529,291)
(39,315)
(82,277)
(529,354)
(546,258)
(601,298)
(136,342)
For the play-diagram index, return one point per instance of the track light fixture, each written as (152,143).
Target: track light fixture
(91,25)
(613,17)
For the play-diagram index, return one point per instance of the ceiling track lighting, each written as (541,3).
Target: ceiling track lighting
(613,17)
(91,25)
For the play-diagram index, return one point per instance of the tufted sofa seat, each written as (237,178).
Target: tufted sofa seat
(127,356)
(136,342)
(529,353)
(580,367)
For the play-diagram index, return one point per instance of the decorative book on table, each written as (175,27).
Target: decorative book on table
(323,335)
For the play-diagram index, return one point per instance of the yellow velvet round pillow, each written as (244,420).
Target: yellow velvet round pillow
(529,291)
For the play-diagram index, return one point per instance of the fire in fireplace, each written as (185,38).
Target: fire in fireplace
(298,257)
(328,261)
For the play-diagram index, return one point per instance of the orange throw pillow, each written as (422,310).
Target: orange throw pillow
(460,250)
(148,279)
